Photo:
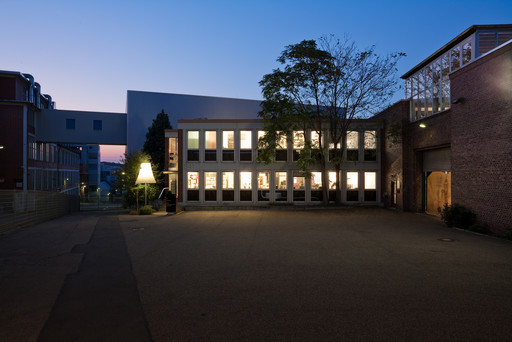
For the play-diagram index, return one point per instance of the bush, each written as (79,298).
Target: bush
(458,216)
(508,233)
(146,210)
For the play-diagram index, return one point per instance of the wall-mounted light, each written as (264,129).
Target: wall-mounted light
(1,147)
(422,125)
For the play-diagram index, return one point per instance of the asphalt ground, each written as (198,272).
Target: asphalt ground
(352,274)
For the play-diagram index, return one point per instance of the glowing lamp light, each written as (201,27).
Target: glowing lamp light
(422,125)
(145,177)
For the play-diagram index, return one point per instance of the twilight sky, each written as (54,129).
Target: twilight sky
(87,54)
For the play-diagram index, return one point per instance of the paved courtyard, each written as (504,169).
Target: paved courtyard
(354,274)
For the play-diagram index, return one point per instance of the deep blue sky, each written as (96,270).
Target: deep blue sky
(87,54)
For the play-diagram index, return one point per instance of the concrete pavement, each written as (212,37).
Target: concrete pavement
(350,274)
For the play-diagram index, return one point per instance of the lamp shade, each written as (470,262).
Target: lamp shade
(145,174)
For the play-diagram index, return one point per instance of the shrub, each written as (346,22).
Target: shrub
(508,233)
(456,215)
(146,210)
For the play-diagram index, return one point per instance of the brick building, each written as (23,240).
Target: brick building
(450,140)
(27,162)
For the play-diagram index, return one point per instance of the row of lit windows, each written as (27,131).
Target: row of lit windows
(211,183)
(245,145)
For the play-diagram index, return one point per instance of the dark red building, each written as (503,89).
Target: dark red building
(450,140)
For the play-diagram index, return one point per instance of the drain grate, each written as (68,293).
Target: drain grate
(446,240)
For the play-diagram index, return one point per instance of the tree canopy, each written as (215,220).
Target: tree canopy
(127,176)
(154,145)
(322,86)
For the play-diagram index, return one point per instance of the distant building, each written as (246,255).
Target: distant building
(27,162)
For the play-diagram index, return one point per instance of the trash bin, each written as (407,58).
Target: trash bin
(170,202)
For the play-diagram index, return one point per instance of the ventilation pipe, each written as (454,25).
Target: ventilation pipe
(37,94)
(30,78)
(51,104)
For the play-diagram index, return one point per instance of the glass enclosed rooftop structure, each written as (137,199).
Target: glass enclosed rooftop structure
(427,85)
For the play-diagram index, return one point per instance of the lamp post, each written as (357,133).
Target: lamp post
(145,177)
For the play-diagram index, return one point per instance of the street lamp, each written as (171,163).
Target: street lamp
(145,177)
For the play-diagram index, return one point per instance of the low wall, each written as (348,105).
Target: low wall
(20,208)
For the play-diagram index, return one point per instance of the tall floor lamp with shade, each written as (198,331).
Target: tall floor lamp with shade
(145,177)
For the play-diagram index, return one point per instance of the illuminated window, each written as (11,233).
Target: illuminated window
(210,146)
(281,147)
(352,186)
(263,180)
(210,180)
(245,146)
(193,186)
(246,180)
(261,134)
(281,186)
(370,186)
(316,180)
(210,140)
(299,182)
(370,146)
(193,180)
(228,180)
(193,145)
(332,186)
(316,186)
(298,144)
(353,146)
(210,186)
(228,145)
(245,186)
(228,184)
(263,186)
(315,139)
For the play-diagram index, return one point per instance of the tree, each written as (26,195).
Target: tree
(322,87)
(127,176)
(154,145)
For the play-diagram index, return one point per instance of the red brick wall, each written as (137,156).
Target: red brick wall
(482,138)
(11,137)
(393,119)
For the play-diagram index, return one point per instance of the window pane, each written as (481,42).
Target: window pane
(466,53)
(370,141)
(370,180)
(228,139)
(281,180)
(316,180)
(193,180)
(299,181)
(97,125)
(315,139)
(455,56)
(332,180)
(298,139)
(246,180)
(193,139)
(210,140)
(228,180)
(245,139)
(352,143)
(263,180)
(210,180)
(352,180)
(281,141)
